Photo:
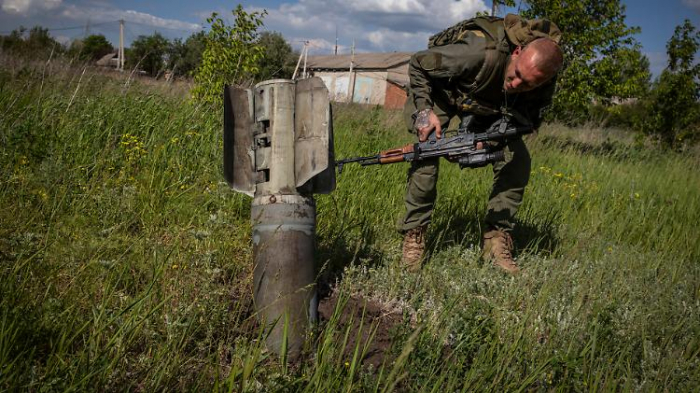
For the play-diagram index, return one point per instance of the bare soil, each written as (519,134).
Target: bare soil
(352,316)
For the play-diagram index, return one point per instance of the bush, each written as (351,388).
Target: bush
(231,55)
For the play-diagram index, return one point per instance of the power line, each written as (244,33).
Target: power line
(67,28)
(82,27)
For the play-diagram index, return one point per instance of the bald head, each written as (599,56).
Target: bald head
(533,65)
(546,54)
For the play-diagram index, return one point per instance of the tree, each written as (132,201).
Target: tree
(35,43)
(14,42)
(149,53)
(673,113)
(185,57)
(93,47)
(232,54)
(495,4)
(279,60)
(39,42)
(594,35)
(623,74)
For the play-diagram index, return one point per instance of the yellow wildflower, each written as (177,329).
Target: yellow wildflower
(43,195)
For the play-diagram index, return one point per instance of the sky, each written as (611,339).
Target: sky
(371,25)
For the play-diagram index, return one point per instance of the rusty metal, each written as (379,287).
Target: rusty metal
(238,140)
(284,274)
(313,148)
(278,147)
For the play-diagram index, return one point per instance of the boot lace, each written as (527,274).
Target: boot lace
(505,250)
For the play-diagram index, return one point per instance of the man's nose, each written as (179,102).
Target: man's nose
(516,82)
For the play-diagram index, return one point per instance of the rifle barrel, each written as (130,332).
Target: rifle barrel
(364,161)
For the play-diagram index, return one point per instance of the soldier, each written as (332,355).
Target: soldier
(484,66)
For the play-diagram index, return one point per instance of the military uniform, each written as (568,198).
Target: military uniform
(444,78)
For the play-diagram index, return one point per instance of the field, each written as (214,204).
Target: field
(125,260)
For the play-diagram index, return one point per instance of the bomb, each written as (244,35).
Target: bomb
(278,149)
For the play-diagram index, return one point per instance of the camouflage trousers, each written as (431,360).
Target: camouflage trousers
(509,180)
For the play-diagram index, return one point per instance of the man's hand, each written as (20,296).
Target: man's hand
(427,122)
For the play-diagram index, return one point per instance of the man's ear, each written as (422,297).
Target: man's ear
(517,51)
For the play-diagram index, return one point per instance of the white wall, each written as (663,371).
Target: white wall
(370,87)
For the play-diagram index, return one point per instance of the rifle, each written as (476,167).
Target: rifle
(460,148)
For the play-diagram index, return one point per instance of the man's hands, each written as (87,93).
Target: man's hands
(427,122)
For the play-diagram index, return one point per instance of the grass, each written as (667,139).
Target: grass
(125,260)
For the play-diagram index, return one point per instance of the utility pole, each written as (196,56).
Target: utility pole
(336,41)
(306,56)
(494,7)
(351,75)
(301,55)
(120,63)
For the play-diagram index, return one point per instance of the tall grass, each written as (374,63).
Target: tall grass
(125,261)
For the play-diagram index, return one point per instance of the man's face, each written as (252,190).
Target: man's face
(522,74)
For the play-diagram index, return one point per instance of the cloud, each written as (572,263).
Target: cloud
(56,13)
(103,13)
(694,4)
(29,7)
(388,40)
(374,25)
(388,6)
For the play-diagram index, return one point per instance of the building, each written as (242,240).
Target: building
(109,60)
(376,78)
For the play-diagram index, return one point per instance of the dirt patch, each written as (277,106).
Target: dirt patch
(352,316)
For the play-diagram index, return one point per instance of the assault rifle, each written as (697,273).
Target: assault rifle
(460,148)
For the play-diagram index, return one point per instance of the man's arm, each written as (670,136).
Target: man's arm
(437,67)
(443,63)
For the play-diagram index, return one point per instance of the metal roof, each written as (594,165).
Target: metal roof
(361,61)
(106,59)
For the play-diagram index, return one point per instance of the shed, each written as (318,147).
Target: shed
(376,78)
(108,60)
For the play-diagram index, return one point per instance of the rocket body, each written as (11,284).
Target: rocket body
(278,149)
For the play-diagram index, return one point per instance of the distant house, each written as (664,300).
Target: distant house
(108,60)
(376,79)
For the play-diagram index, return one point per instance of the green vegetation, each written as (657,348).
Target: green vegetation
(93,47)
(231,55)
(148,53)
(607,78)
(673,112)
(602,58)
(279,60)
(184,57)
(34,43)
(125,261)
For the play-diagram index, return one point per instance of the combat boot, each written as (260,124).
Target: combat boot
(414,248)
(498,249)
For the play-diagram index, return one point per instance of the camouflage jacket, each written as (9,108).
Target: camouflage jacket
(446,75)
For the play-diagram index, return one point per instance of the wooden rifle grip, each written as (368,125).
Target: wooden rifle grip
(391,160)
(395,155)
